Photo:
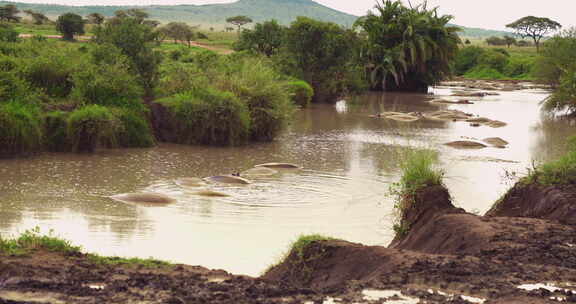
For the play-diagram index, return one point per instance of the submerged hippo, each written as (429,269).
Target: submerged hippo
(496,142)
(190,182)
(146,198)
(259,171)
(210,193)
(466,144)
(279,166)
(227,179)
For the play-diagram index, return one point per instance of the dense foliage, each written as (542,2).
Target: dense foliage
(407,48)
(557,67)
(492,63)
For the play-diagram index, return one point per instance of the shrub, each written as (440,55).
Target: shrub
(20,128)
(519,67)
(301,92)
(483,72)
(208,116)
(493,60)
(13,87)
(8,33)
(55,129)
(50,73)
(466,59)
(259,87)
(559,172)
(418,172)
(135,131)
(90,126)
(107,85)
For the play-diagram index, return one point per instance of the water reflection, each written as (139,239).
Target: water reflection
(349,160)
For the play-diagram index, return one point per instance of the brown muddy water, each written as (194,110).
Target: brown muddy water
(349,161)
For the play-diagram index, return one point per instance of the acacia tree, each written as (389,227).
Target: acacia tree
(534,27)
(266,38)
(407,49)
(69,25)
(96,18)
(239,21)
(178,31)
(509,40)
(9,13)
(38,18)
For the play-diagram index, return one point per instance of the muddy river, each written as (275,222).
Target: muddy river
(348,158)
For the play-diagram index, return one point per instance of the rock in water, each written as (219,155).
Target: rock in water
(279,166)
(227,179)
(150,198)
(466,144)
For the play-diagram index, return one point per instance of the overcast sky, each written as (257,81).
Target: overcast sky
(490,14)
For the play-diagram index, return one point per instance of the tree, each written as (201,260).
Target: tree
(495,40)
(239,21)
(96,18)
(38,18)
(69,25)
(178,31)
(135,40)
(407,49)
(323,54)
(266,38)
(509,40)
(534,27)
(9,13)
(8,33)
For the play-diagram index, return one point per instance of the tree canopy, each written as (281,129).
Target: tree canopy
(239,21)
(9,13)
(69,25)
(38,17)
(266,38)
(178,31)
(407,48)
(96,18)
(534,27)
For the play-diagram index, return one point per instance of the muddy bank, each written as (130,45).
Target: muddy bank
(446,255)
(447,251)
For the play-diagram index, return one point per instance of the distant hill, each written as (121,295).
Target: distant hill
(284,11)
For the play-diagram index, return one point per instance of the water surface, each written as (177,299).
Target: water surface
(349,161)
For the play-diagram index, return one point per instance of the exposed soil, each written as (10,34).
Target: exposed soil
(446,256)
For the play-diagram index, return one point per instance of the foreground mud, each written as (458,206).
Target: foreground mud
(446,256)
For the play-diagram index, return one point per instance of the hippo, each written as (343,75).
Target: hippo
(190,182)
(144,198)
(210,193)
(279,166)
(466,144)
(227,179)
(259,171)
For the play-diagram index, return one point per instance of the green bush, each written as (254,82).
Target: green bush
(466,59)
(208,116)
(8,33)
(91,126)
(135,131)
(483,72)
(13,87)
(493,60)
(301,92)
(259,86)
(55,129)
(559,172)
(20,128)
(52,74)
(107,85)
(519,67)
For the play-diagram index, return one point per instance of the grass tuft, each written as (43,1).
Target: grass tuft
(32,240)
(418,172)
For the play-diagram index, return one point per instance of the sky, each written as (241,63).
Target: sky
(489,14)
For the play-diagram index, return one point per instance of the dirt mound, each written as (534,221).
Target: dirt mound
(536,201)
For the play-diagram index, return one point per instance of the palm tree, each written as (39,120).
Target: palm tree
(407,48)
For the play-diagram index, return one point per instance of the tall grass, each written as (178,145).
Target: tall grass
(300,92)
(208,116)
(32,240)
(90,126)
(559,172)
(20,128)
(418,172)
